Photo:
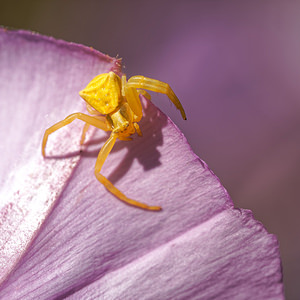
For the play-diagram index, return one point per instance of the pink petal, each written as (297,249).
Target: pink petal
(92,245)
(195,266)
(33,98)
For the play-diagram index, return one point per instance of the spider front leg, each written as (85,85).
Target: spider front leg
(105,150)
(87,126)
(141,82)
(133,99)
(95,121)
(84,131)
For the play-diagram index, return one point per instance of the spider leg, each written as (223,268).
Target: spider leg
(134,102)
(137,128)
(84,131)
(94,113)
(87,126)
(132,98)
(141,82)
(97,122)
(123,82)
(105,150)
(92,110)
(144,93)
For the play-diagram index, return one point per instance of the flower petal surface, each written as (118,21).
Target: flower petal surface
(63,235)
(40,78)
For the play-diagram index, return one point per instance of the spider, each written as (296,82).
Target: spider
(114,105)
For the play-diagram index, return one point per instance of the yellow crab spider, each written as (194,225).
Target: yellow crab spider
(114,105)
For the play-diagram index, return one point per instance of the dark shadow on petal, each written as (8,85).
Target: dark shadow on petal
(144,148)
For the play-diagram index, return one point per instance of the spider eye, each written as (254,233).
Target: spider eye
(103,93)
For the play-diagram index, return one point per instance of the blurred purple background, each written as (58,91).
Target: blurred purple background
(235,65)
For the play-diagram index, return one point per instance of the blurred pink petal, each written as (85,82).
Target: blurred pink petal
(91,245)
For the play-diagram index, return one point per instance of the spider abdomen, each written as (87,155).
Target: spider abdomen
(103,93)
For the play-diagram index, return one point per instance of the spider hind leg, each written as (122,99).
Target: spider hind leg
(105,150)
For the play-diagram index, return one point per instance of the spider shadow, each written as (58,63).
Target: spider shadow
(144,149)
